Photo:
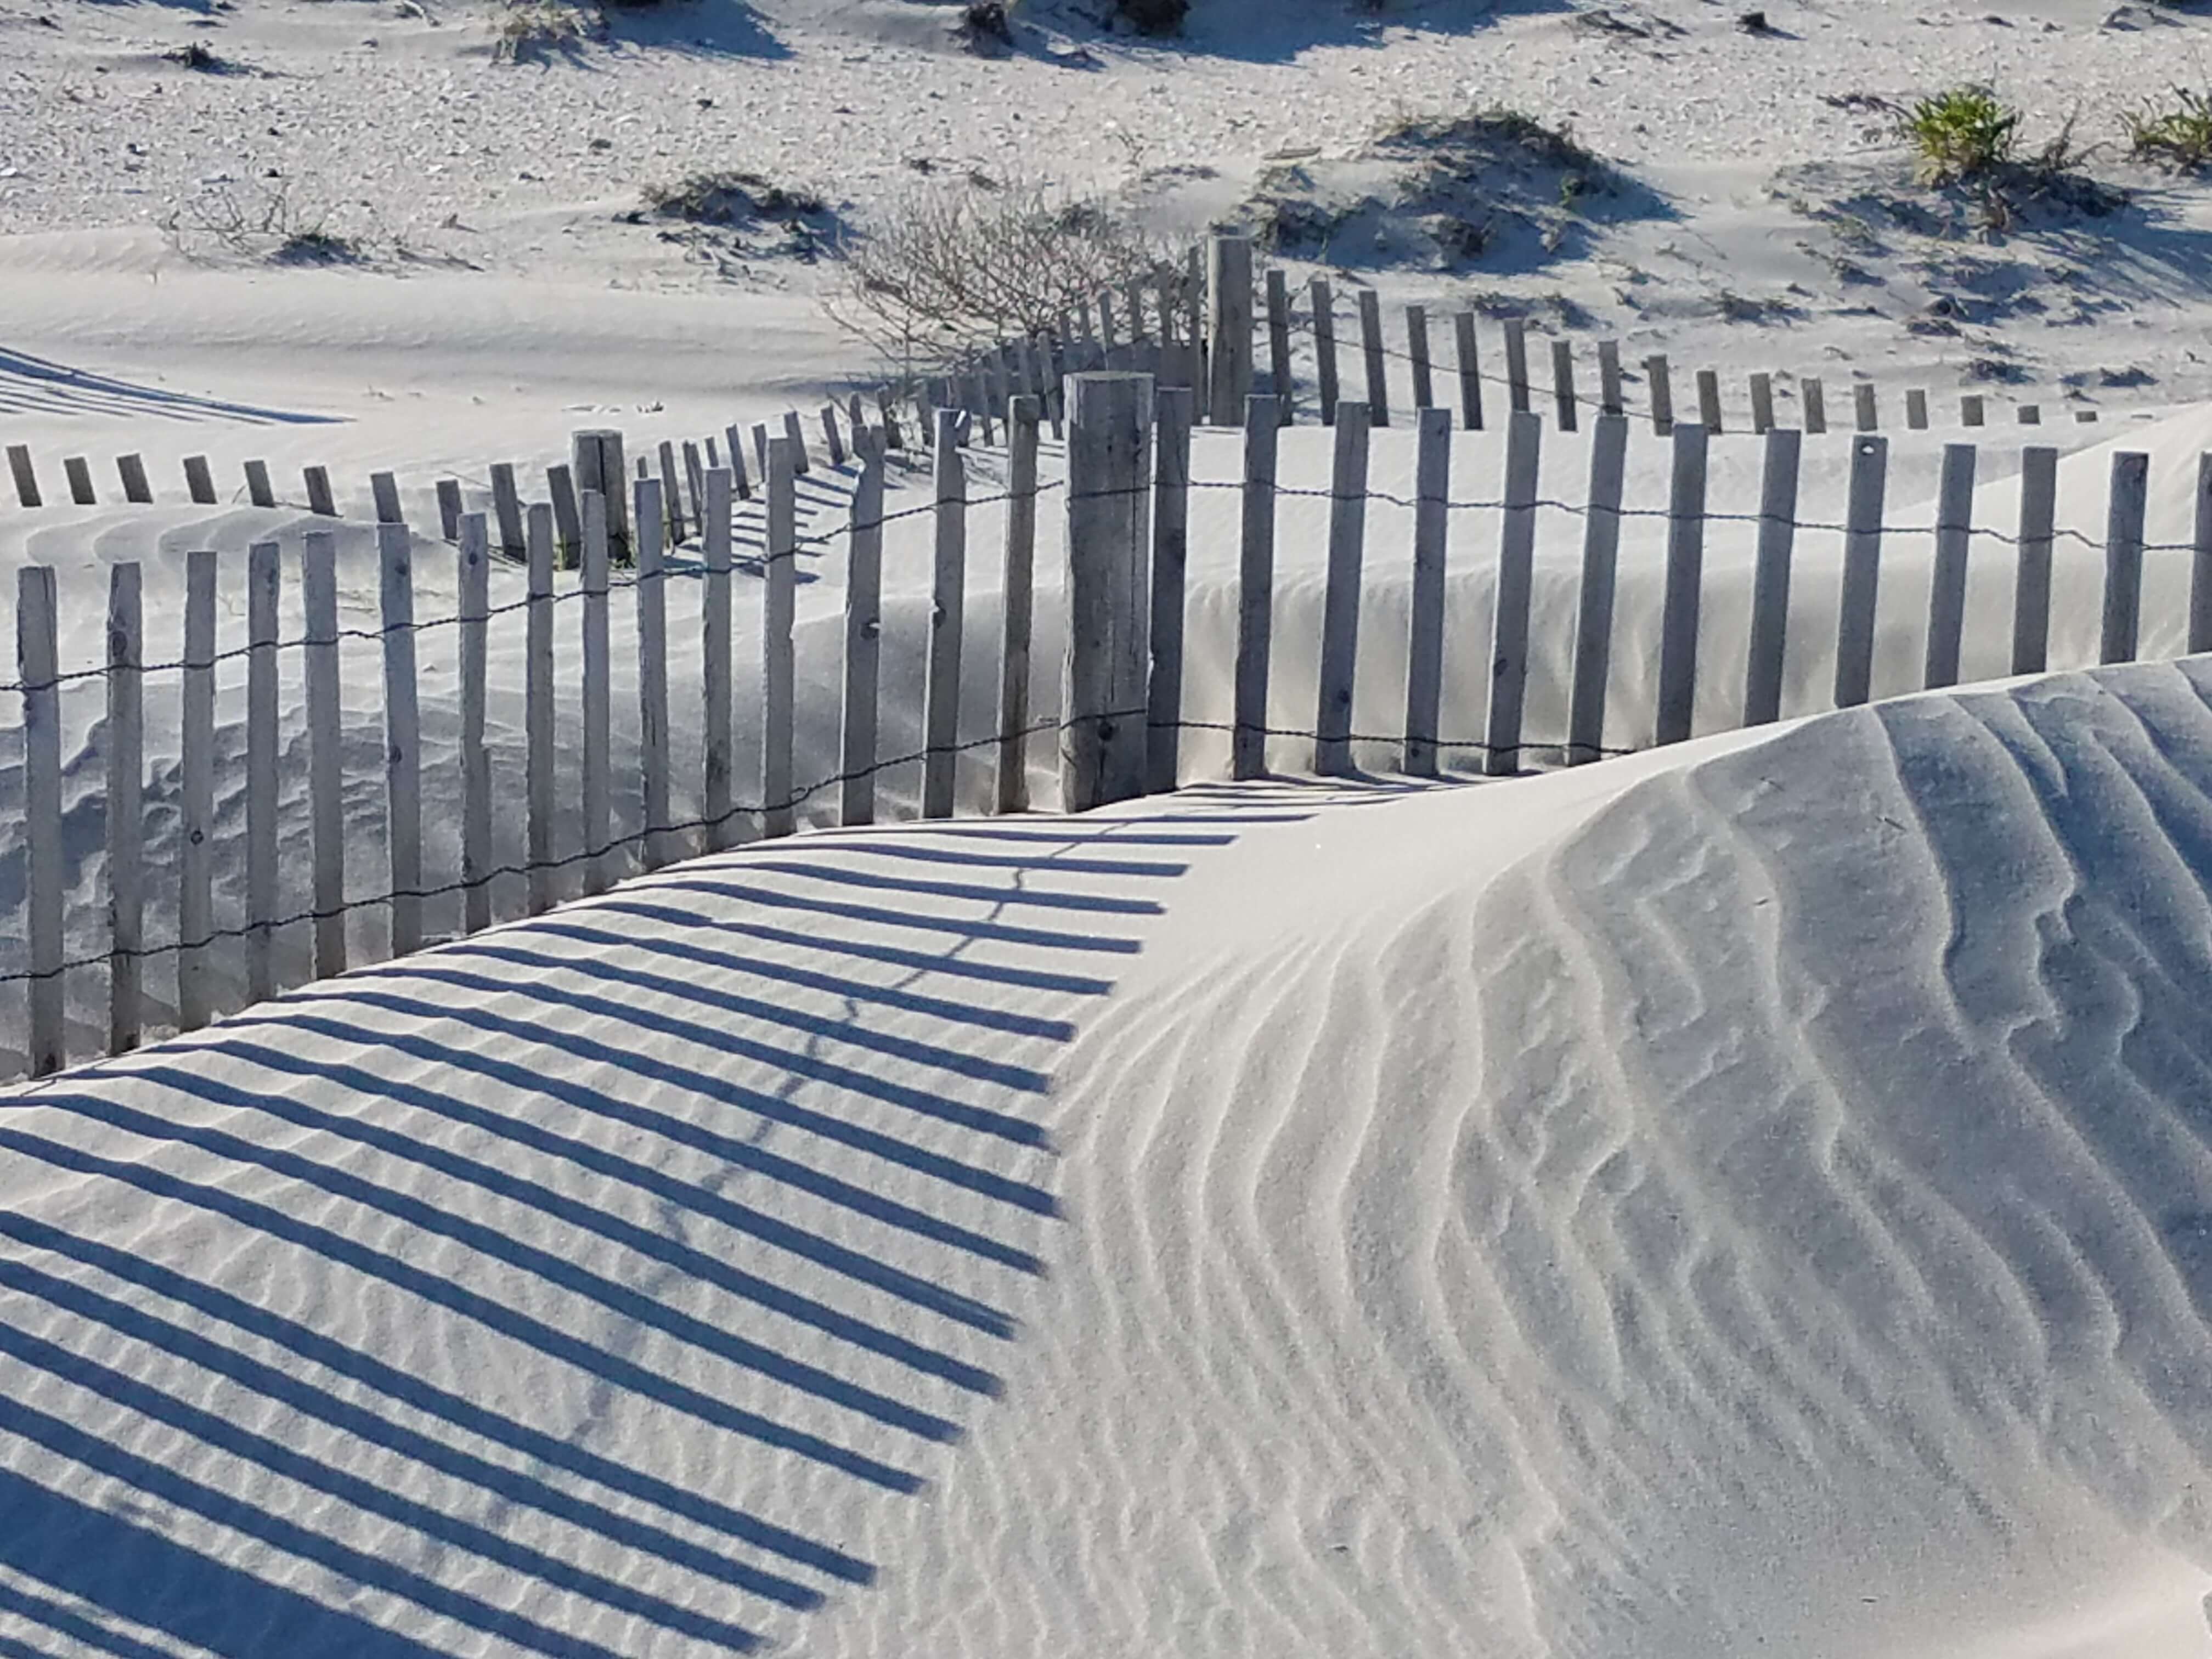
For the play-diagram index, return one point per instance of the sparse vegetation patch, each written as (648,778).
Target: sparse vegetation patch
(2176,135)
(1962,133)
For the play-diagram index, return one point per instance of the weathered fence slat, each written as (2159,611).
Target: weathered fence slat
(716,676)
(1973,411)
(318,601)
(320,502)
(864,627)
(1516,364)
(473,607)
(2200,581)
(1017,586)
(1593,663)
(1279,341)
(1470,372)
(1770,574)
(1708,399)
(1661,390)
(45,880)
(2031,600)
(196,796)
(1678,605)
(1255,592)
(258,490)
(1324,328)
(801,464)
(2030,414)
(1947,588)
(199,481)
(1916,409)
(1608,378)
(2124,556)
(76,472)
(1855,613)
(669,504)
(1762,403)
(596,457)
(264,582)
(1562,384)
(25,476)
(1102,684)
(1340,628)
(1424,645)
(126,817)
(1417,348)
(1813,404)
(537,776)
(598,699)
(1866,412)
(1508,627)
(1171,557)
(656,844)
(131,470)
(1378,367)
(779,568)
(403,738)
(384,491)
(567,516)
(947,603)
(507,512)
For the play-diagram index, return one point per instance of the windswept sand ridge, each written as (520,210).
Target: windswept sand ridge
(1763,1209)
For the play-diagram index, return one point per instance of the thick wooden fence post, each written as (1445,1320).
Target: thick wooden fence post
(1771,573)
(2124,556)
(1425,643)
(1109,450)
(46,882)
(1855,613)
(2031,599)
(318,601)
(947,603)
(1678,605)
(1508,632)
(1340,626)
(263,588)
(1470,372)
(1229,287)
(196,796)
(656,844)
(596,460)
(598,553)
(402,766)
(126,816)
(1017,586)
(1324,328)
(473,607)
(864,627)
(1947,588)
(540,536)
(1171,557)
(1255,592)
(779,608)
(1593,664)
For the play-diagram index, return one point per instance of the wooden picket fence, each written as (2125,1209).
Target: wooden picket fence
(1128,486)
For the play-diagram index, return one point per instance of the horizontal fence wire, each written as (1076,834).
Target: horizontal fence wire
(757,809)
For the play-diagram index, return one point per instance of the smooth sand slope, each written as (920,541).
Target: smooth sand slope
(1752,1199)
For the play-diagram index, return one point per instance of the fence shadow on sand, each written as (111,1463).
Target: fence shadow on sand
(587,1283)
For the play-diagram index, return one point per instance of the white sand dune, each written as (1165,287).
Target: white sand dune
(1748,1198)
